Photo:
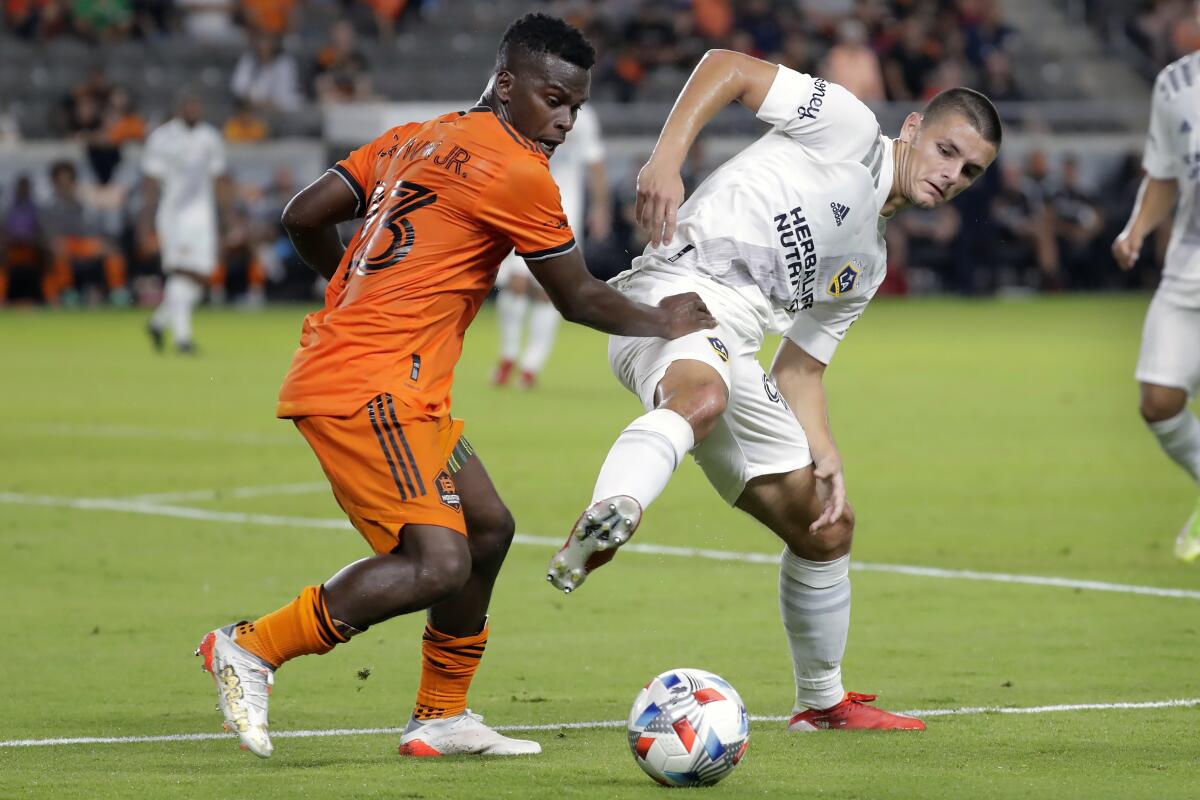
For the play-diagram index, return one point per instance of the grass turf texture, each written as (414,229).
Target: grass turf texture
(999,437)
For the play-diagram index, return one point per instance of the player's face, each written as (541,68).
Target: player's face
(191,110)
(946,155)
(543,94)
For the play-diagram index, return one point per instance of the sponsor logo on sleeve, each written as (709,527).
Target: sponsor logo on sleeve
(810,111)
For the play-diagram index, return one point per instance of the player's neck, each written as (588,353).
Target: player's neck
(897,200)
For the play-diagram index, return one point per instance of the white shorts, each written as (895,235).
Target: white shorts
(1170,354)
(191,249)
(758,434)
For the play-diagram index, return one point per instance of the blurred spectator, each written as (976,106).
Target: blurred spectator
(390,14)
(152,18)
(999,84)
(1025,235)
(246,125)
(985,30)
(37,19)
(758,19)
(84,256)
(102,20)
(208,20)
(273,17)
(714,18)
(1078,223)
(266,76)
(853,64)
(911,60)
(342,73)
(118,123)
(22,253)
(921,246)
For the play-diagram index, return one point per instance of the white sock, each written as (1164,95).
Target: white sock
(180,297)
(510,310)
(814,599)
(1179,436)
(543,324)
(641,461)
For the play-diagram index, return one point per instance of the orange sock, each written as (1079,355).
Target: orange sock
(301,627)
(447,666)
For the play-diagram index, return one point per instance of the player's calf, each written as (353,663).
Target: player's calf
(603,527)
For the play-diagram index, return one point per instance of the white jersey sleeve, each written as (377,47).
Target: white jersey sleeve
(823,116)
(217,163)
(154,159)
(819,330)
(1158,158)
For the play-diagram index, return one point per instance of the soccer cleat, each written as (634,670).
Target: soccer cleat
(187,349)
(853,714)
(599,531)
(1187,543)
(502,372)
(464,734)
(528,379)
(243,684)
(156,337)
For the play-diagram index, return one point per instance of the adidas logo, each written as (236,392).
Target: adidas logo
(839,212)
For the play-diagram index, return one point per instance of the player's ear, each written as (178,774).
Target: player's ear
(911,127)
(503,84)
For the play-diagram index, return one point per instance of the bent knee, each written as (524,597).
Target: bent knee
(831,542)
(701,404)
(491,532)
(445,575)
(1160,403)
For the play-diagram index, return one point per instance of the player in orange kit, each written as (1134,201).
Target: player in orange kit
(442,202)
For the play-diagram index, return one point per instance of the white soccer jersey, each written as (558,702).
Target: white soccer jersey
(792,222)
(185,160)
(1173,151)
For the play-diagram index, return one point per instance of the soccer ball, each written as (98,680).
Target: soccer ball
(688,727)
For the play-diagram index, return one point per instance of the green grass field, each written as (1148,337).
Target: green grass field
(989,436)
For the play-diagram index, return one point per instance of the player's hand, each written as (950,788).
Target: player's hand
(831,491)
(684,314)
(1126,250)
(659,195)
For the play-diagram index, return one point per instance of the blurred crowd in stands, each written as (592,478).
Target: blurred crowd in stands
(67,233)
(1159,30)
(879,49)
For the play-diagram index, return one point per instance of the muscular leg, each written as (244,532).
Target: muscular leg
(1164,408)
(688,401)
(490,530)
(814,583)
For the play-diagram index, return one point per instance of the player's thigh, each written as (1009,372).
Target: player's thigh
(757,435)
(1169,356)
(640,363)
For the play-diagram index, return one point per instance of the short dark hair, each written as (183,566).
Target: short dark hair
(541,33)
(60,167)
(972,105)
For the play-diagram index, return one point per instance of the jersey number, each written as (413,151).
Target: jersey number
(406,198)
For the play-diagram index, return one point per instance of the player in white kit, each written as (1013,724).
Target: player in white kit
(786,237)
(184,167)
(1168,367)
(577,163)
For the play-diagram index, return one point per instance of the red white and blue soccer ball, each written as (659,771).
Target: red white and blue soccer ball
(688,727)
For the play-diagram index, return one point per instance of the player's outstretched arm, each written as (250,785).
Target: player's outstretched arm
(582,299)
(311,219)
(1155,199)
(721,77)
(800,378)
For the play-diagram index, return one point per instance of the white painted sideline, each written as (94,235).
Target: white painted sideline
(140,431)
(136,506)
(609,723)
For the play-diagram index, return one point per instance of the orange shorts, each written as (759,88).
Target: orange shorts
(386,475)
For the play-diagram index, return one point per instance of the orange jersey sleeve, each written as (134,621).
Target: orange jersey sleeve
(358,169)
(524,204)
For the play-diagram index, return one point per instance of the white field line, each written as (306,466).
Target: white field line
(221,494)
(143,432)
(134,506)
(608,723)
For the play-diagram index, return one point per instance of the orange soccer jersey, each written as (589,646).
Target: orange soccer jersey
(443,201)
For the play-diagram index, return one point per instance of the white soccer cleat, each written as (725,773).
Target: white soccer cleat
(243,684)
(1187,543)
(600,530)
(464,734)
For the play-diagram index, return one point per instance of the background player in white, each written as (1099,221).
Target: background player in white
(577,163)
(785,237)
(1168,367)
(184,167)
